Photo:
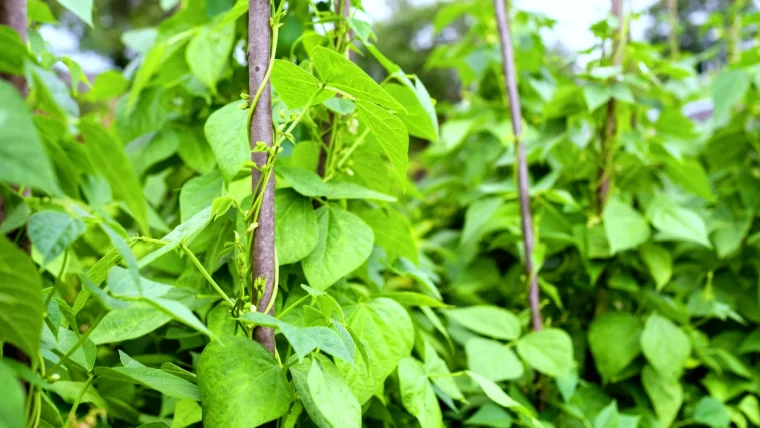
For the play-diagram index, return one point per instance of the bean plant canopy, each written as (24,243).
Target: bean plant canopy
(242,227)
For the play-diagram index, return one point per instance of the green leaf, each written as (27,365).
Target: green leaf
(198,193)
(12,412)
(410,298)
(340,73)
(751,408)
(711,412)
(476,216)
(493,391)
(549,351)
(390,132)
(608,417)
(660,264)
(492,359)
(666,395)
(387,332)
(340,105)
(345,242)
(625,227)
(417,394)
(186,413)
(614,340)
(14,52)
(420,121)
(181,313)
(227,132)
(83,356)
(52,232)
(241,384)
(208,52)
(161,381)
(195,151)
(489,321)
(296,230)
(107,154)
(71,391)
(20,147)
(296,86)
(690,174)
(490,415)
(665,346)
(439,372)
(37,11)
(81,8)
(392,232)
(21,305)
(728,89)
(185,232)
(51,93)
(146,152)
(677,223)
(304,340)
(595,95)
(308,183)
(325,395)
(107,85)
(132,322)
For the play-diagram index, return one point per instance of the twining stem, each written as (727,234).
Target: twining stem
(206,275)
(522,165)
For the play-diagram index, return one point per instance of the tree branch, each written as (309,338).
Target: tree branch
(522,165)
(262,250)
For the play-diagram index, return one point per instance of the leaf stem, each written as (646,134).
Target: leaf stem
(82,392)
(289,308)
(79,343)
(206,275)
(347,154)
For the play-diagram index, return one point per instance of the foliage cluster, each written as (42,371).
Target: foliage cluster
(126,289)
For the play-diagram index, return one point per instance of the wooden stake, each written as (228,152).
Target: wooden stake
(523,188)
(262,250)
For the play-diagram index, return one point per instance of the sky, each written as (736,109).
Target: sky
(574,17)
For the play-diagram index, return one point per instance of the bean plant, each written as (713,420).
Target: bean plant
(232,231)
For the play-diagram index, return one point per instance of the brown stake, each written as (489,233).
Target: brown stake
(608,133)
(522,165)
(673,34)
(13,14)
(262,250)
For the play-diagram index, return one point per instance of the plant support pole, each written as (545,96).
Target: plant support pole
(522,165)
(13,14)
(262,250)
(608,133)
(673,41)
